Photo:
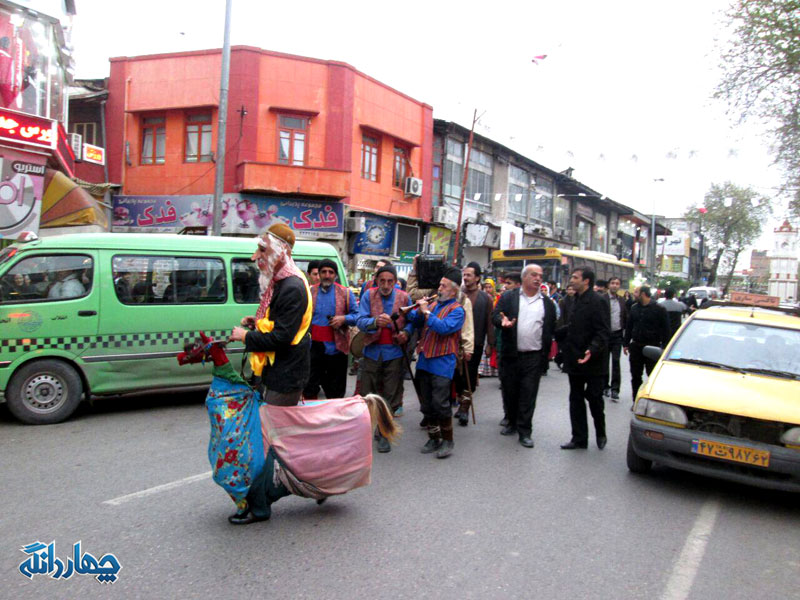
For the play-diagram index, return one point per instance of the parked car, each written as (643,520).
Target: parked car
(724,399)
(105,314)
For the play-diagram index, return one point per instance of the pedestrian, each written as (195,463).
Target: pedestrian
(488,366)
(632,298)
(383,364)
(619,317)
(675,310)
(483,334)
(277,337)
(512,281)
(313,272)
(585,348)
(527,318)
(440,324)
(648,325)
(335,311)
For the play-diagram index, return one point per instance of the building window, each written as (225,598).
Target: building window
(453,168)
(154,140)
(400,166)
(479,180)
(519,183)
(198,138)
(87,131)
(369,157)
(541,205)
(562,224)
(600,232)
(292,134)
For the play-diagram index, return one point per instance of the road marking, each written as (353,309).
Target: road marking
(157,489)
(685,569)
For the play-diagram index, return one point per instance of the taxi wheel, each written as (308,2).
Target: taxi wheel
(44,392)
(637,464)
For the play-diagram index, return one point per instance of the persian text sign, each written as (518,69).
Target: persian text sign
(43,561)
(21,185)
(94,154)
(755,299)
(27,129)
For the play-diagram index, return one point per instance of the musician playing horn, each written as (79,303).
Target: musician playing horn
(441,324)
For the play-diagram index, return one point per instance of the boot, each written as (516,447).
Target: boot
(463,410)
(447,445)
(383,444)
(434,439)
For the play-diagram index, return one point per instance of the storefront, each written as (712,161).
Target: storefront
(382,238)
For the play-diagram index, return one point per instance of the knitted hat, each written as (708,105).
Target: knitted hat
(453,274)
(283,232)
(386,269)
(326,262)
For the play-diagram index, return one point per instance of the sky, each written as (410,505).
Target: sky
(623,97)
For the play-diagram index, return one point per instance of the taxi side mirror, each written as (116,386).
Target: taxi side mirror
(652,352)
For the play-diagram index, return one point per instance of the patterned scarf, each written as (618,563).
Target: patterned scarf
(279,254)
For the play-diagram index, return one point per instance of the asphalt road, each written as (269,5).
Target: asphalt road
(495,520)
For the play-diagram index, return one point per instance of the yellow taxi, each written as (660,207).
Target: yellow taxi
(724,399)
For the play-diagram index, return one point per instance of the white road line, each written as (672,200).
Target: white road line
(685,569)
(157,489)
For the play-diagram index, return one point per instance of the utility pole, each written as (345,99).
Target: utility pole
(222,120)
(464,188)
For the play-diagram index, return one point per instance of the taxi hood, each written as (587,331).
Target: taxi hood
(707,388)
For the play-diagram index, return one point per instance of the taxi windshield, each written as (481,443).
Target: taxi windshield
(747,347)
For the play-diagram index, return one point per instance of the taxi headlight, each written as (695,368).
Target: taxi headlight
(653,409)
(791,437)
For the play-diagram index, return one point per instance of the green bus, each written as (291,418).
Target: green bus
(106,314)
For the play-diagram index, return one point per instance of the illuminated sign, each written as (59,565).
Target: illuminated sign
(27,129)
(94,154)
(64,151)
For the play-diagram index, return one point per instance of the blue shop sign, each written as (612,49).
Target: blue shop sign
(377,237)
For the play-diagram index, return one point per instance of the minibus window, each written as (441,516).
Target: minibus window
(48,278)
(246,289)
(169,280)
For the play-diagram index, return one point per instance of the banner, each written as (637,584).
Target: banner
(510,236)
(241,214)
(21,185)
(377,238)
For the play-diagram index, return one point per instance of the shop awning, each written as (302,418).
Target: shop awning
(65,203)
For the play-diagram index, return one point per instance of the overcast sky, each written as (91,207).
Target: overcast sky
(624,95)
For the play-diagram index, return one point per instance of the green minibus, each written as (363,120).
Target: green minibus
(105,314)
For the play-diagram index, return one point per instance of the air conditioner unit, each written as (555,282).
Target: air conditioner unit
(76,143)
(413,186)
(445,216)
(356,224)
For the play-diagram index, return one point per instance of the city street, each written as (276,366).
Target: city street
(495,520)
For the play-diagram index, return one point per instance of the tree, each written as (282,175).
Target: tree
(761,77)
(732,222)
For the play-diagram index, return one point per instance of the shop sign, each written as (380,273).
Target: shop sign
(584,210)
(21,186)
(27,129)
(510,237)
(439,240)
(377,238)
(672,245)
(241,214)
(94,154)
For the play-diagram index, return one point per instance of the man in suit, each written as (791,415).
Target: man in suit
(585,350)
(619,317)
(527,320)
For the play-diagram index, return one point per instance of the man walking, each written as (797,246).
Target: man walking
(278,341)
(648,325)
(675,309)
(585,351)
(619,317)
(441,323)
(382,363)
(482,329)
(527,320)
(335,311)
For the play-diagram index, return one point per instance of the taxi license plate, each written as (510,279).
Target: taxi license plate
(742,454)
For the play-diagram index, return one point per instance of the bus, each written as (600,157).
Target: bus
(558,263)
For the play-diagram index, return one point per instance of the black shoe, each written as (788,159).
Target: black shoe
(245,518)
(509,430)
(573,446)
(463,419)
(446,449)
(607,392)
(431,446)
(383,445)
(601,442)
(525,440)
(504,422)
(615,396)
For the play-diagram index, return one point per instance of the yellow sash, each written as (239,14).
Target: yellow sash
(258,360)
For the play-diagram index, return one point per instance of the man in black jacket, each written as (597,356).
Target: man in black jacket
(585,352)
(619,317)
(527,319)
(277,337)
(648,325)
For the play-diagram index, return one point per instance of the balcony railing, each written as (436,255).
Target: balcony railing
(286,179)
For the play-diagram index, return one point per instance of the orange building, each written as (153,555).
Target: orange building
(316,143)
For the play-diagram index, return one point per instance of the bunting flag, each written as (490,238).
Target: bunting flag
(537,59)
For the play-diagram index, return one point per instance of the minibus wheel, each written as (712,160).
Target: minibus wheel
(43,392)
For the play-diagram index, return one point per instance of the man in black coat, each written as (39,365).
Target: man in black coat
(585,351)
(648,325)
(527,320)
